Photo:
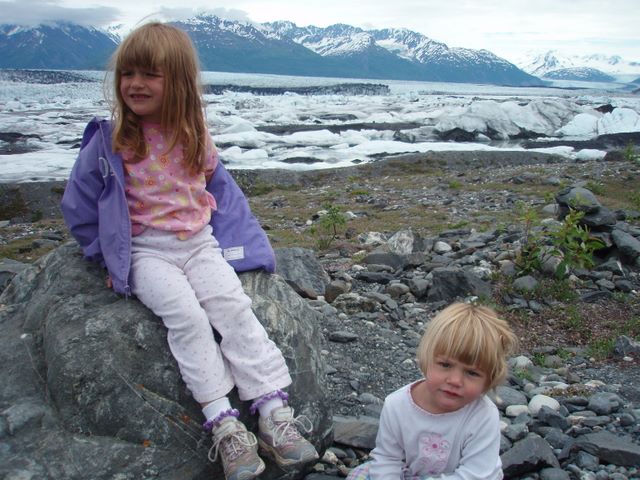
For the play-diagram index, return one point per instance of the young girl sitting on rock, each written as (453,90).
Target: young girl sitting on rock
(444,426)
(141,200)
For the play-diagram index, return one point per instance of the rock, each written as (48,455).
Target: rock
(335,288)
(441,247)
(602,219)
(356,432)
(91,378)
(539,401)
(526,283)
(375,277)
(626,346)
(578,198)
(389,259)
(610,448)
(404,242)
(342,337)
(553,474)
(300,268)
(8,269)
(604,403)
(451,283)
(628,245)
(504,397)
(528,455)
(553,418)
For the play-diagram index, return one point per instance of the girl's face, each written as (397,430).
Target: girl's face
(143,92)
(449,385)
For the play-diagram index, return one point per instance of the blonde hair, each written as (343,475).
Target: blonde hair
(158,46)
(470,334)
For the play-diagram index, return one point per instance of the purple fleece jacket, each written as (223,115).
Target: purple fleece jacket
(95,209)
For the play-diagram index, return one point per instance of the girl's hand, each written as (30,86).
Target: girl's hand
(108,282)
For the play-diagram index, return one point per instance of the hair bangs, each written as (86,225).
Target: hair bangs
(465,345)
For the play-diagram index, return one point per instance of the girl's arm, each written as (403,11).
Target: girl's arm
(80,200)
(388,455)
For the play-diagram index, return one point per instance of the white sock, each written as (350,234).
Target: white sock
(215,408)
(267,407)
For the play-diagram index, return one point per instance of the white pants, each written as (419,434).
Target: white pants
(191,287)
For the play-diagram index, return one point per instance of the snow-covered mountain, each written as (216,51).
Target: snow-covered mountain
(419,55)
(279,47)
(585,74)
(542,64)
(59,45)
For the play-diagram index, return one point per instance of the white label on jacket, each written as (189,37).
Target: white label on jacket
(233,253)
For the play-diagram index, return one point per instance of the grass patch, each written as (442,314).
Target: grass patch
(601,348)
(556,288)
(15,207)
(22,250)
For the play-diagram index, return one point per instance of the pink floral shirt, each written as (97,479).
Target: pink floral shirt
(162,194)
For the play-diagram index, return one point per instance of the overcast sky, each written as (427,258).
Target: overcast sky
(508,28)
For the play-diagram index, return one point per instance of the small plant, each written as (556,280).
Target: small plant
(558,288)
(620,297)
(631,328)
(523,374)
(564,354)
(595,187)
(574,243)
(574,320)
(260,188)
(460,224)
(549,197)
(328,225)
(538,359)
(528,259)
(630,153)
(454,184)
(601,348)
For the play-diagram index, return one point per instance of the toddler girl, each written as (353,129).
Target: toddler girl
(443,426)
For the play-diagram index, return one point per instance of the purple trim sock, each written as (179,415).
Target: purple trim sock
(276,394)
(214,422)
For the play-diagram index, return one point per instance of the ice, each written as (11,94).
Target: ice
(52,118)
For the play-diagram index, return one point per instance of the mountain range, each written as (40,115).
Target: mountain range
(555,64)
(284,48)
(277,48)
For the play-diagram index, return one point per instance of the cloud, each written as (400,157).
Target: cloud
(36,12)
(186,13)
(232,14)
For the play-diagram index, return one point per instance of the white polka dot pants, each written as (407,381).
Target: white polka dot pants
(191,287)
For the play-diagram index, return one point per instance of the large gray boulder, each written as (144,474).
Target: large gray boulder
(301,269)
(89,389)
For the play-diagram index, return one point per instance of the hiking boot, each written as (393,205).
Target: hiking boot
(279,438)
(238,450)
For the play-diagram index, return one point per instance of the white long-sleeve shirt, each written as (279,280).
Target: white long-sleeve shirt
(460,445)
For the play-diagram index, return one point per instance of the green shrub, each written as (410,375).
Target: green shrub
(630,153)
(327,229)
(595,187)
(528,258)
(574,243)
